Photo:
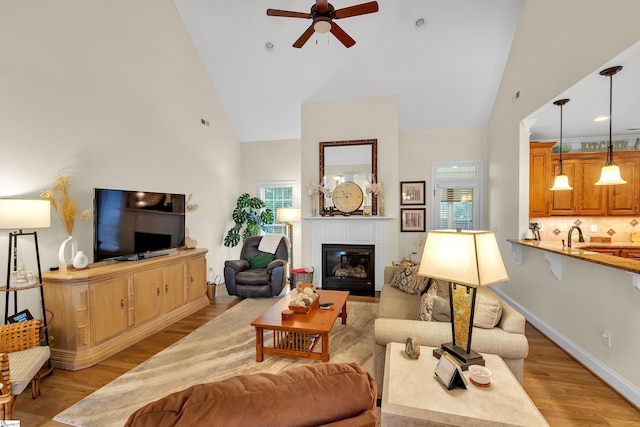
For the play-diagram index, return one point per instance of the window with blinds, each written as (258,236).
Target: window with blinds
(456,208)
(276,195)
(457,195)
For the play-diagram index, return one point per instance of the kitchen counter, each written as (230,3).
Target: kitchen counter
(581,251)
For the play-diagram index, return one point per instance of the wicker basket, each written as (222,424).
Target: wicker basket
(301,278)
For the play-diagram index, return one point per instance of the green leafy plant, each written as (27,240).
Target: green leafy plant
(250,217)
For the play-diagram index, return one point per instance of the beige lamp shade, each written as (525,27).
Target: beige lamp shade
(561,183)
(610,175)
(288,214)
(20,213)
(466,257)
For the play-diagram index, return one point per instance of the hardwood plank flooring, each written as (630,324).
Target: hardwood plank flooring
(566,393)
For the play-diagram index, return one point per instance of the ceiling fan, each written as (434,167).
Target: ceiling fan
(323,15)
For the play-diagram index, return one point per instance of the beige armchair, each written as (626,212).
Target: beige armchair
(22,355)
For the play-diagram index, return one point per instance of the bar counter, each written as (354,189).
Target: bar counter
(581,251)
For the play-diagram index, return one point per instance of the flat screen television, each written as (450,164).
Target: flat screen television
(130,225)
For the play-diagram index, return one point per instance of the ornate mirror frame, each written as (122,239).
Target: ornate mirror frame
(373,143)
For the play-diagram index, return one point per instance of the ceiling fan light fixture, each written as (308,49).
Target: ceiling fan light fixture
(322,25)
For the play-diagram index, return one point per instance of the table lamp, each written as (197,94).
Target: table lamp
(467,260)
(18,214)
(287,216)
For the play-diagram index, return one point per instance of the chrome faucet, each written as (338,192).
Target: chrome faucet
(580,236)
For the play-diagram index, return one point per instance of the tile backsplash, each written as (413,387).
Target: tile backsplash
(619,228)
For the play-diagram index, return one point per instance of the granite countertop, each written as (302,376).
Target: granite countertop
(581,251)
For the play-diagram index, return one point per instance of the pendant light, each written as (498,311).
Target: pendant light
(610,174)
(561,181)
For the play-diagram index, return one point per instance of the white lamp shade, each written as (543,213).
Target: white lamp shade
(288,214)
(610,175)
(561,182)
(19,213)
(466,257)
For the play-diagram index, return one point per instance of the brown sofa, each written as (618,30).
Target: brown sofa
(332,394)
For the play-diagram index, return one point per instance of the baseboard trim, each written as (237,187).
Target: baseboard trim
(602,371)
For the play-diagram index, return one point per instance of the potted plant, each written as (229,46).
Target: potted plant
(249,218)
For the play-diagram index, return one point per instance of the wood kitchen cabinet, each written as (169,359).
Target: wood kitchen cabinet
(540,179)
(588,199)
(624,199)
(103,309)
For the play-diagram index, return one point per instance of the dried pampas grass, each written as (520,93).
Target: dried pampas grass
(66,206)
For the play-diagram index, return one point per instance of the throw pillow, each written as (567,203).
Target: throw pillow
(488,309)
(260,261)
(435,306)
(406,279)
(426,302)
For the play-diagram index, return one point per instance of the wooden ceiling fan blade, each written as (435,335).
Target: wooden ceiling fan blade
(304,37)
(340,34)
(322,5)
(359,9)
(288,14)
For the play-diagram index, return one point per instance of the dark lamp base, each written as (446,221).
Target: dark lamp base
(465,359)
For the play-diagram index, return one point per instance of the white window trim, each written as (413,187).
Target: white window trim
(263,185)
(464,182)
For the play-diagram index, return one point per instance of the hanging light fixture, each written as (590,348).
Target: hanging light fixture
(610,174)
(561,181)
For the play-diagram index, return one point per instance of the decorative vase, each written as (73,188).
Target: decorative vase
(62,253)
(380,206)
(314,209)
(80,260)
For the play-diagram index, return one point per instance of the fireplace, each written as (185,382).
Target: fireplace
(349,268)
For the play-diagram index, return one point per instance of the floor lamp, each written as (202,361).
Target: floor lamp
(19,214)
(287,216)
(467,260)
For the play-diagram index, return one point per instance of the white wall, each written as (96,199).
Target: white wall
(111,94)
(417,152)
(584,35)
(371,118)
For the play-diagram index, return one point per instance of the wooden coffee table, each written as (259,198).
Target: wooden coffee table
(299,337)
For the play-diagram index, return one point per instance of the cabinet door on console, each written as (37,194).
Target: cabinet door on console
(173,286)
(148,288)
(108,308)
(197,278)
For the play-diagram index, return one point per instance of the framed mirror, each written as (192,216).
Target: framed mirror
(355,161)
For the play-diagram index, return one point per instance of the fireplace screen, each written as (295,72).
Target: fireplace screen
(349,268)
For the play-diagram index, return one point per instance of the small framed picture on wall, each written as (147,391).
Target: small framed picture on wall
(412,219)
(412,192)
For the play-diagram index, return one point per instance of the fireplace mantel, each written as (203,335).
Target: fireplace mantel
(349,230)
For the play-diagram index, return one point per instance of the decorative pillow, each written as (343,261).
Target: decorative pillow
(426,302)
(260,261)
(406,279)
(488,309)
(435,306)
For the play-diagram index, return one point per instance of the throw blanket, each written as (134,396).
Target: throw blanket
(270,243)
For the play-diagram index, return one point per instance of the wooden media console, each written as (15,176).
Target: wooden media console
(109,306)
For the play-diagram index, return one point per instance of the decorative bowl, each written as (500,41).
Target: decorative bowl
(480,375)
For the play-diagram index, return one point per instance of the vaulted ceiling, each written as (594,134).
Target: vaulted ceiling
(445,72)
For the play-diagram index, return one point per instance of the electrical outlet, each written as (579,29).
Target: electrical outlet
(605,334)
(594,228)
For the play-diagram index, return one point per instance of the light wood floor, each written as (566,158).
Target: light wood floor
(565,392)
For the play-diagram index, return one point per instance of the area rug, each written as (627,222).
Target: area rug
(221,348)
